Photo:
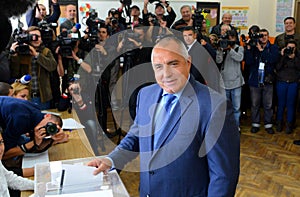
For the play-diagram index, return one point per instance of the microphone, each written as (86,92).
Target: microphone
(25,79)
(77,26)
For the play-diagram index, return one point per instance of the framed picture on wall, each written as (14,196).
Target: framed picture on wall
(211,18)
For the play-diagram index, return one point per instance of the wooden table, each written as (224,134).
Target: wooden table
(78,146)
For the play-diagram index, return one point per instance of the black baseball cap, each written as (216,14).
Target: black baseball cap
(159,4)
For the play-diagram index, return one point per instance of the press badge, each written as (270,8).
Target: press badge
(261,66)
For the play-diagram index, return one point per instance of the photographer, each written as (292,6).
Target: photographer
(29,56)
(230,58)
(38,13)
(115,21)
(159,12)
(156,32)
(287,75)
(261,60)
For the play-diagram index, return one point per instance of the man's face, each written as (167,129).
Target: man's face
(189,37)
(70,12)
(135,12)
(47,118)
(289,25)
(103,35)
(265,37)
(37,35)
(227,18)
(159,11)
(170,68)
(186,14)
(43,11)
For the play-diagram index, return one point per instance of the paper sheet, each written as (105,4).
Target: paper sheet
(70,123)
(50,112)
(106,193)
(30,159)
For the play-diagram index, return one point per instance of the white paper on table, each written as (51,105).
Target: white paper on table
(104,193)
(30,159)
(50,112)
(70,123)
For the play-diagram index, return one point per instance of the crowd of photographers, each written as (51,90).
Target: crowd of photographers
(123,40)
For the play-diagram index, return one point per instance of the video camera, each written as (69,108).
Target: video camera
(198,18)
(288,51)
(224,42)
(23,40)
(254,38)
(47,31)
(94,23)
(66,42)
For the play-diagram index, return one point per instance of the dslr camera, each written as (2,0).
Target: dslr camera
(224,42)
(51,128)
(254,38)
(153,19)
(288,51)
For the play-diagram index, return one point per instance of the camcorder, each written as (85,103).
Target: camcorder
(224,42)
(66,42)
(23,40)
(288,51)
(51,128)
(47,32)
(254,38)
(198,18)
(94,23)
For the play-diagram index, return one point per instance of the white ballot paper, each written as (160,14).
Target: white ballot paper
(70,123)
(75,180)
(30,159)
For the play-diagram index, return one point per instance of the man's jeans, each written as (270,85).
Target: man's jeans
(234,95)
(262,95)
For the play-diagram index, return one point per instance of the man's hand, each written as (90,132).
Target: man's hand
(102,165)
(60,137)
(39,134)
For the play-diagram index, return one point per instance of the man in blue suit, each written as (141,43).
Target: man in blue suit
(196,153)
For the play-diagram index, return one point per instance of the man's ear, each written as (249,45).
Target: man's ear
(47,115)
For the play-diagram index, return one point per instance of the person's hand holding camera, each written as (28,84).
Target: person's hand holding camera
(259,47)
(13,48)
(75,91)
(33,52)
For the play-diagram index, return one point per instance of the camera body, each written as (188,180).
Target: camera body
(23,40)
(198,18)
(51,128)
(126,2)
(94,23)
(224,42)
(66,43)
(288,51)
(46,31)
(254,38)
(153,19)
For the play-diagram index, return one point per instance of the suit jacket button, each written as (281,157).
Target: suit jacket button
(151,172)
(148,195)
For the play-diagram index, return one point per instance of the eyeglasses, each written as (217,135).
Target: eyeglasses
(1,141)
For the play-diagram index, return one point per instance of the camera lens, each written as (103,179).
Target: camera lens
(51,128)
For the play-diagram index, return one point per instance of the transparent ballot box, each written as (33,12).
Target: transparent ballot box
(74,178)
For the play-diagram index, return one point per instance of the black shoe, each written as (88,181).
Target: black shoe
(279,126)
(254,129)
(270,130)
(296,142)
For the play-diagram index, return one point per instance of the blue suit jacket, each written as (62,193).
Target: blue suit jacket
(199,151)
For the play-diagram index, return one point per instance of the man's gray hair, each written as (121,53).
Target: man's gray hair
(166,42)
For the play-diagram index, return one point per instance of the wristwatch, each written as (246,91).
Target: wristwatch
(79,61)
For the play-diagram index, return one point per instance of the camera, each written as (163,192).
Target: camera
(66,43)
(51,128)
(23,40)
(224,42)
(153,19)
(94,23)
(254,38)
(198,18)
(288,51)
(126,2)
(46,31)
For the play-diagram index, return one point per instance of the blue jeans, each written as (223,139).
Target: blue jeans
(42,106)
(286,94)
(234,95)
(262,94)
